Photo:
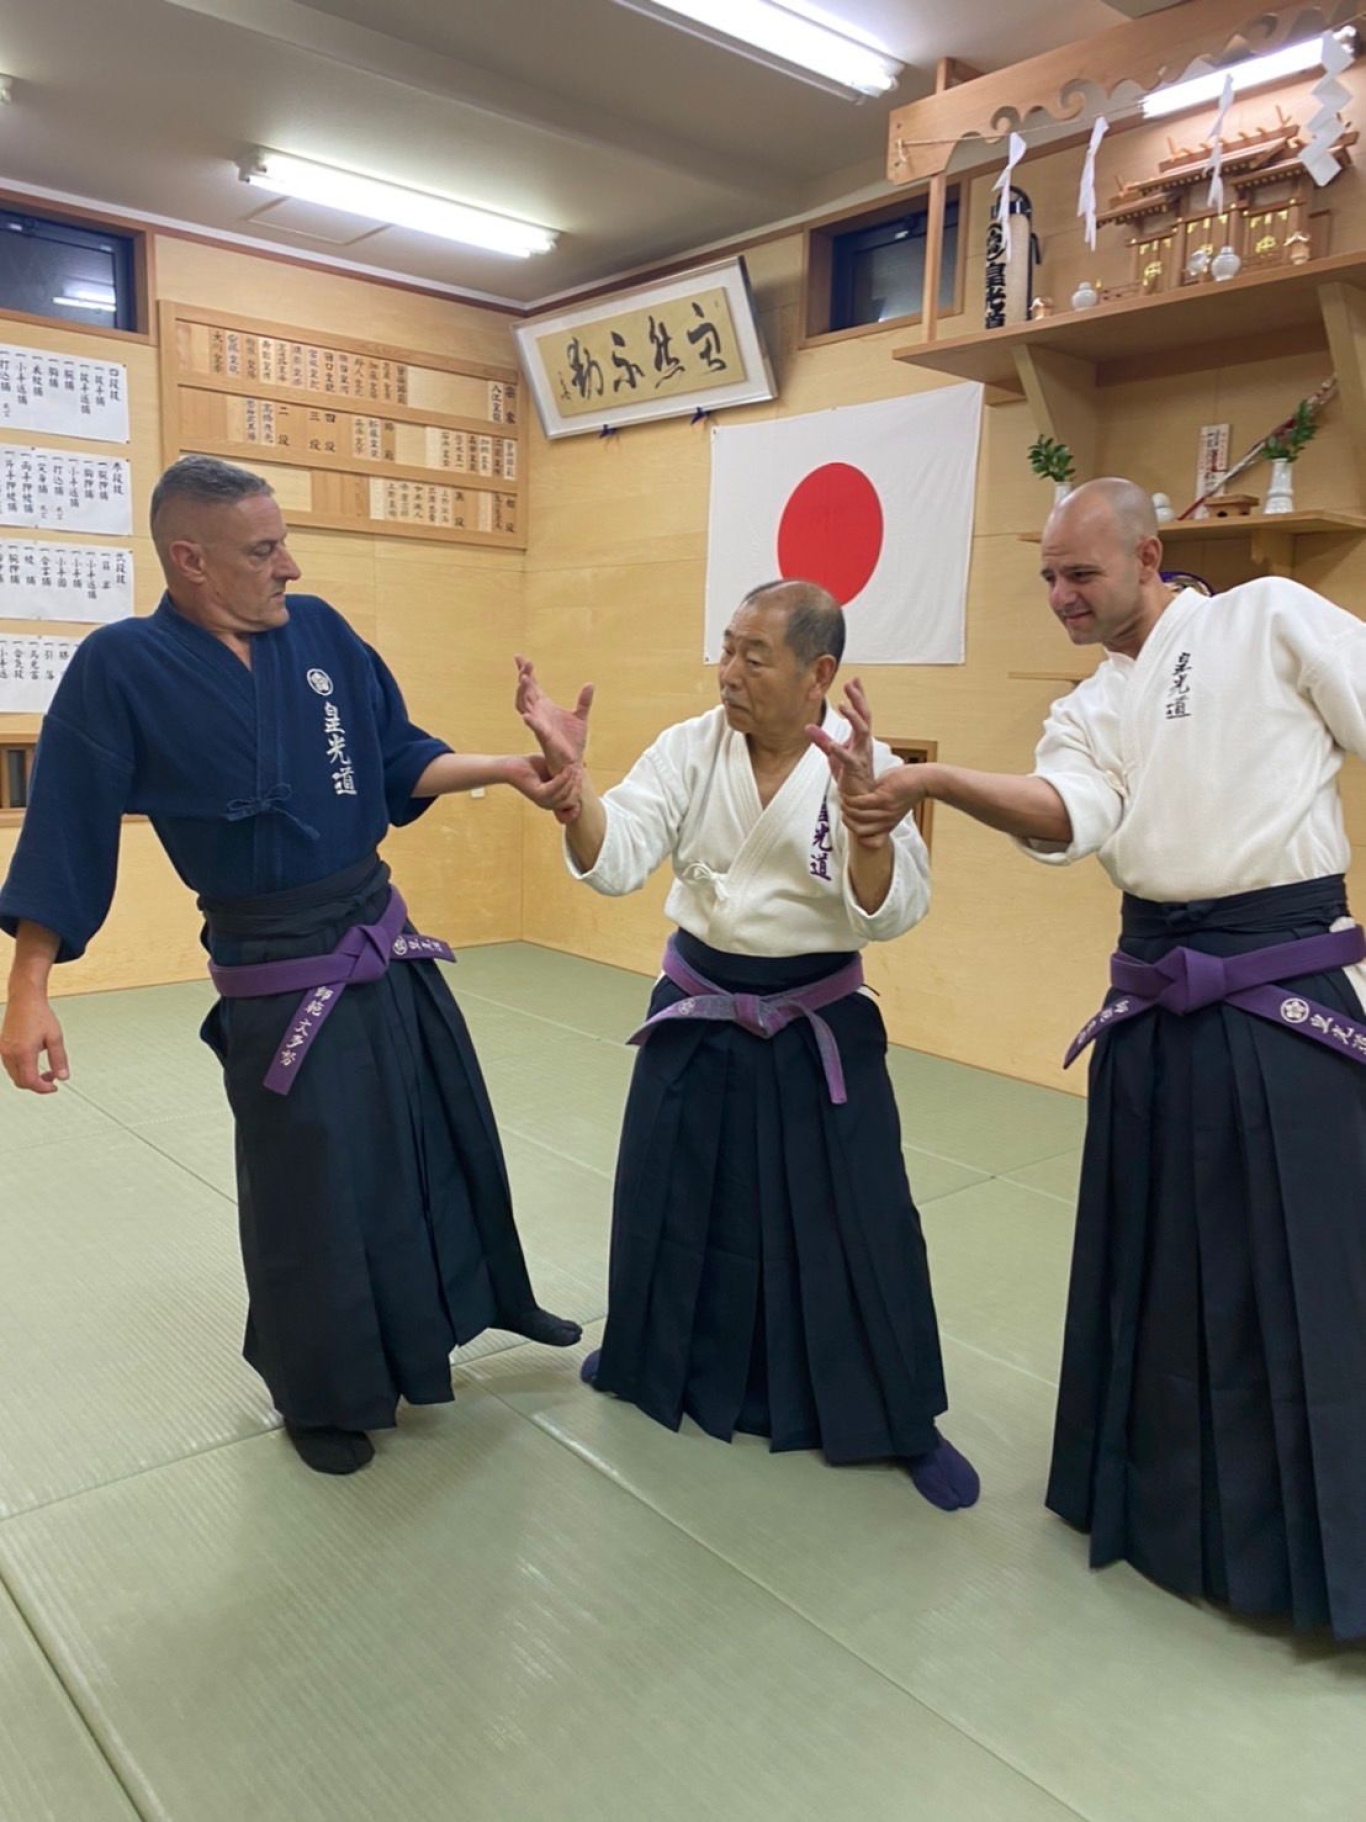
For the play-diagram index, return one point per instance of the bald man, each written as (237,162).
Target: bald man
(1212,1411)
(271,750)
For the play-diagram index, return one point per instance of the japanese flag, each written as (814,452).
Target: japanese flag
(874,502)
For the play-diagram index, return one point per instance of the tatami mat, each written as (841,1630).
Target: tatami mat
(479,1628)
(559,989)
(50,1767)
(1123,1701)
(999,1256)
(138,1056)
(27,1120)
(121,1311)
(998,1125)
(1054,1176)
(536,1603)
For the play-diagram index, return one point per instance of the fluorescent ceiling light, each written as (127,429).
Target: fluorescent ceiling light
(1275,66)
(376,200)
(783,40)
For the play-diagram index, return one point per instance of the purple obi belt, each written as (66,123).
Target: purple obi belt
(1187,979)
(363,955)
(763,1016)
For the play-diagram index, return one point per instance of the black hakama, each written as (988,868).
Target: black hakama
(1212,1411)
(768,1270)
(376,1220)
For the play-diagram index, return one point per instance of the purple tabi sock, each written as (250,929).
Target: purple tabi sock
(944,1477)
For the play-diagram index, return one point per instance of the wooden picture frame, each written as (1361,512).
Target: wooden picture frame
(686,344)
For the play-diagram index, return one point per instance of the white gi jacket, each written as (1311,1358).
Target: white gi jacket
(750,880)
(1208,765)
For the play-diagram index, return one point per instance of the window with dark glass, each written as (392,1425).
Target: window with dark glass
(16,768)
(877,273)
(69,273)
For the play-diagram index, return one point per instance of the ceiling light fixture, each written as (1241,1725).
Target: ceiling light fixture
(1275,66)
(782,40)
(377,200)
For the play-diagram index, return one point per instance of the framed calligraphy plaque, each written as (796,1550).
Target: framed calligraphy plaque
(657,351)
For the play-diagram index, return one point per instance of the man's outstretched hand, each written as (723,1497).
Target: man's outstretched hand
(851,761)
(562,733)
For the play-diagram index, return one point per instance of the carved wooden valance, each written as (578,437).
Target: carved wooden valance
(1077,82)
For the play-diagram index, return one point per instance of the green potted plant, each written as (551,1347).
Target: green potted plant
(1283,449)
(1052,461)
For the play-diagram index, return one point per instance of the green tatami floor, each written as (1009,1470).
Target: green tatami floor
(536,1603)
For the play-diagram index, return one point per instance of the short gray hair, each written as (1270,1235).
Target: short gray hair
(207,482)
(815,620)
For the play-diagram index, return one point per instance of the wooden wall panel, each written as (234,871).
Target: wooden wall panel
(440,616)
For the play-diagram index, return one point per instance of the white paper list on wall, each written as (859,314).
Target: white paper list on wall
(71,582)
(54,491)
(30,670)
(63,395)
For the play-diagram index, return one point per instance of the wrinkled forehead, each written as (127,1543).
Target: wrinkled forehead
(759,625)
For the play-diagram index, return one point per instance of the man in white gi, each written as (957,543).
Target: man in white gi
(768,1271)
(1212,1410)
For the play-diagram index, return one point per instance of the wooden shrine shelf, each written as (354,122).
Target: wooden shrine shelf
(1297,524)
(1271,538)
(1061,365)
(1255,316)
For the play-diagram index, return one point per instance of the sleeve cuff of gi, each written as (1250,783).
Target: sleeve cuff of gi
(1094,808)
(404,808)
(605,875)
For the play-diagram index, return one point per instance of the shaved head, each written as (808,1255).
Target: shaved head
(1112,503)
(1102,557)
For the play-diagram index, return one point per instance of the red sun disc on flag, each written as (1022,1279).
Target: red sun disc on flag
(831,531)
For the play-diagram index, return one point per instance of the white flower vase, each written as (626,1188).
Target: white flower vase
(1061,489)
(1280,495)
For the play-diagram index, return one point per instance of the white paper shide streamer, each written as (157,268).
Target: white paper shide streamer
(1086,198)
(1215,166)
(1327,125)
(1014,153)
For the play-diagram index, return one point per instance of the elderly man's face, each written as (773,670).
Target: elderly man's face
(764,690)
(243,565)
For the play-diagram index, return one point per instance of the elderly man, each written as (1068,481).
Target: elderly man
(271,750)
(768,1272)
(1212,1411)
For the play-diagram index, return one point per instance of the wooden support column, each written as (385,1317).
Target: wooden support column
(1344,319)
(1062,395)
(934,255)
(948,73)
(1273,552)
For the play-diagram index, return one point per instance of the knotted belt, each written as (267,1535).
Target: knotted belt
(1187,979)
(363,955)
(764,1016)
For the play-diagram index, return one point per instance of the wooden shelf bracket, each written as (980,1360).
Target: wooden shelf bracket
(1344,320)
